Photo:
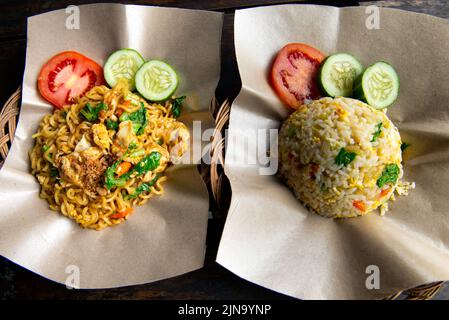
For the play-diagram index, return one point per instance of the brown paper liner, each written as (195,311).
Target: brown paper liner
(213,175)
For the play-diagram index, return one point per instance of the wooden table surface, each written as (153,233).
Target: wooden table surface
(212,281)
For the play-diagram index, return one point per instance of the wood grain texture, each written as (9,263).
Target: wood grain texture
(213,281)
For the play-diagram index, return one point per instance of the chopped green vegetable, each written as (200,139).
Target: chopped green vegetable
(344,157)
(54,172)
(148,163)
(323,187)
(176,106)
(144,187)
(132,146)
(138,118)
(389,175)
(102,106)
(44,150)
(376,133)
(404,145)
(291,132)
(111,124)
(110,180)
(91,113)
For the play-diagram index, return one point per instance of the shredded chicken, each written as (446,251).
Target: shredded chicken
(83,144)
(178,140)
(125,134)
(84,169)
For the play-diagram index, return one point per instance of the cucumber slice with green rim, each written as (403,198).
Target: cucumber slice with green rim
(156,80)
(123,63)
(378,86)
(337,75)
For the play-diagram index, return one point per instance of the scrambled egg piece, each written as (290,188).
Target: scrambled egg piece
(101,136)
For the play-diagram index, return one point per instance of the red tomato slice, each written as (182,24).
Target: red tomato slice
(67,76)
(294,73)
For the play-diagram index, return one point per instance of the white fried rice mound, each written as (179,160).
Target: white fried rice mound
(312,137)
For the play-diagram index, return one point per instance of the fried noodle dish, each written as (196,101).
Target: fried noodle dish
(98,158)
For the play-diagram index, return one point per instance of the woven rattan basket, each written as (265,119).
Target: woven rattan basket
(213,175)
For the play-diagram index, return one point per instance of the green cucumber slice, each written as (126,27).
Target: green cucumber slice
(156,80)
(337,75)
(378,86)
(123,63)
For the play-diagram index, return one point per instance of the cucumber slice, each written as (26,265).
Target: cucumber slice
(378,86)
(123,63)
(156,80)
(337,75)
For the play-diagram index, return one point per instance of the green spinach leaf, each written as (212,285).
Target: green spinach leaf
(90,113)
(344,157)
(144,187)
(138,118)
(376,133)
(390,174)
(176,106)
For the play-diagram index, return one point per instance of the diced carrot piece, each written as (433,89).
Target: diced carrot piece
(359,204)
(119,112)
(384,192)
(122,214)
(123,168)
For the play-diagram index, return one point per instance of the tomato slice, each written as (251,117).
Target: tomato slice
(68,75)
(294,73)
